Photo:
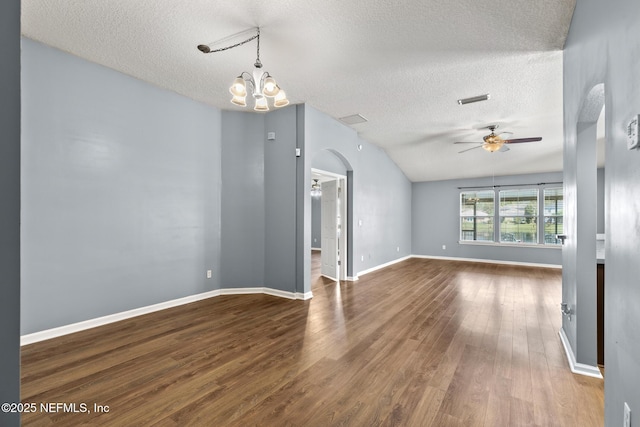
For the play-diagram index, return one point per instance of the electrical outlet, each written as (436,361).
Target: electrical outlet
(362,258)
(627,415)
(209,274)
(444,247)
(398,249)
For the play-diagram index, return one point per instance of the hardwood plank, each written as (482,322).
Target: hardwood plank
(420,343)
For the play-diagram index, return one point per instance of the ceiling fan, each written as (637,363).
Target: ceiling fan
(494,142)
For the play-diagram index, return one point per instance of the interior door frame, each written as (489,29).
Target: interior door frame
(342,240)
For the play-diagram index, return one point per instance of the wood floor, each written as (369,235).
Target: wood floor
(420,343)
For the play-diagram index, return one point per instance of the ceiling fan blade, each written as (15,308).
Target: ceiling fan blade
(469,149)
(467,142)
(504,148)
(519,140)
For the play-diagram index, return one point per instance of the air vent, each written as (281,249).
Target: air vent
(353,119)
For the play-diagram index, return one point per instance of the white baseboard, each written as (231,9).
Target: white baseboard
(104,320)
(489,261)
(351,278)
(267,291)
(386,264)
(577,368)
(116,317)
(316,249)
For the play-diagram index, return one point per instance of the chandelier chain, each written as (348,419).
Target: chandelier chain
(257,36)
(258,49)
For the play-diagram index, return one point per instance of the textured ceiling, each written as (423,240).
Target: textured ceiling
(400,65)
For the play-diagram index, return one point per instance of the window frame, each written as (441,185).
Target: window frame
(539,218)
(502,224)
(556,242)
(475,217)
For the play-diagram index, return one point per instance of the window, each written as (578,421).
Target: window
(476,216)
(524,215)
(553,212)
(519,215)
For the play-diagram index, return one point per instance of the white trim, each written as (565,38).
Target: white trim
(489,261)
(116,317)
(240,291)
(267,291)
(577,368)
(509,245)
(316,249)
(111,318)
(327,173)
(342,241)
(304,296)
(351,278)
(386,264)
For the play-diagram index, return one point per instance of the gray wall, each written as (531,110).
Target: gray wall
(259,200)
(328,162)
(120,194)
(243,202)
(10,209)
(281,187)
(436,222)
(602,47)
(381,193)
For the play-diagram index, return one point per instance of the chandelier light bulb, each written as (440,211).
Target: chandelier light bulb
(280,99)
(239,100)
(271,89)
(261,104)
(239,87)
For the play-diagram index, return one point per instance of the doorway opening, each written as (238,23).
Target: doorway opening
(601,235)
(579,253)
(328,228)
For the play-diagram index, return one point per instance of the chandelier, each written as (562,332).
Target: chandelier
(260,83)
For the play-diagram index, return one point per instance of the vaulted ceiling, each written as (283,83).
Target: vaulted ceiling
(402,65)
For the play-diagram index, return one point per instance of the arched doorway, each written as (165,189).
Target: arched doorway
(579,330)
(329,226)
(336,166)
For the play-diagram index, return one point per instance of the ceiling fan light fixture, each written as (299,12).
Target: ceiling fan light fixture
(492,147)
(478,98)
(316,189)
